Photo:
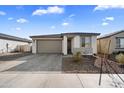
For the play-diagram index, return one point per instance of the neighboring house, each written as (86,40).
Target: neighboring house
(66,43)
(114,40)
(11,43)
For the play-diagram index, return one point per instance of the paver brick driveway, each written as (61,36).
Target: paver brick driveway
(39,62)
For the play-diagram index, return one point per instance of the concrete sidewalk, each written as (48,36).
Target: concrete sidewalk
(53,80)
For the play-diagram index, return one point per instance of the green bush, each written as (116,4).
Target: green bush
(77,57)
(83,44)
(120,58)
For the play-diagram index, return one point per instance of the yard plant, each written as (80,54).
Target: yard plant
(77,57)
(120,58)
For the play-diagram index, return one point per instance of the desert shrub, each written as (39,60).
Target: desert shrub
(95,54)
(117,52)
(83,44)
(77,57)
(120,58)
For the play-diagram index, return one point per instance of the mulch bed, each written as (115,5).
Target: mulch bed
(86,65)
(12,56)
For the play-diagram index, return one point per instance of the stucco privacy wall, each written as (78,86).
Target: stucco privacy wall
(11,44)
(102,45)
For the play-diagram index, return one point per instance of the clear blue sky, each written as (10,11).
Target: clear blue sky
(24,21)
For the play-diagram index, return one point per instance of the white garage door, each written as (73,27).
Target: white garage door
(49,46)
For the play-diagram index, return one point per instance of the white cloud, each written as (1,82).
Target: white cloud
(105,24)
(39,12)
(53,27)
(105,7)
(72,15)
(2,13)
(106,20)
(22,20)
(49,10)
(55,9)
(19,7)
(10,18)
(18,29)
(65,24)
(110,18)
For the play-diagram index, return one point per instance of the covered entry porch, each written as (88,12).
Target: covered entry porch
(84,44)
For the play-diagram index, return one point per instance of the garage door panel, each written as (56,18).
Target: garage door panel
(49,46)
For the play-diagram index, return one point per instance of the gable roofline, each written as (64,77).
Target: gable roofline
(81,33)
(111,34)
(14,38)
(62,34)
(48,35)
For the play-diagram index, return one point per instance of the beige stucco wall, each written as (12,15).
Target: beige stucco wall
(94,44)
(64,45)
(90,44)
(113,40)
(11,44)
(77,42)
(34,46)
(72,45)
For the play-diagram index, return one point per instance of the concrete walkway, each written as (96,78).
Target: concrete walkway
(35,80)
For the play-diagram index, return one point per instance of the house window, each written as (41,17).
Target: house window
(83,42)
(120,42)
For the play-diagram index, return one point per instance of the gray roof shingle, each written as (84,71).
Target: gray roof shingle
(60,35)
(111,34)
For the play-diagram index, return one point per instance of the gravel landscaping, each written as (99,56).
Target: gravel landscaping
(86,65)
(109,66)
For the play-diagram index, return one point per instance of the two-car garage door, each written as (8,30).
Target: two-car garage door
(49,46)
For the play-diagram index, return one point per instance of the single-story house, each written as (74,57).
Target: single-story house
(110,43)
(66,43)
(10,43)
